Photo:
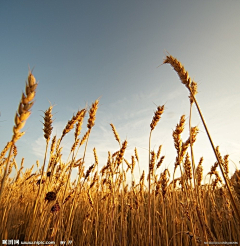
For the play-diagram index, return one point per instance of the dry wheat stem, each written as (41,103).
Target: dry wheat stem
(219,162)
(186,80)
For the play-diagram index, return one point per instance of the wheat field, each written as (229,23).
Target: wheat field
(100,207)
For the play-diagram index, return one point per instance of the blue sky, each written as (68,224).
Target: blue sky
(81,50)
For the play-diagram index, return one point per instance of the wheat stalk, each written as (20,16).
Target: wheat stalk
(186,80)
(24,111)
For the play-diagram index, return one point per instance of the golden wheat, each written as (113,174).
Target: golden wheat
(100,207)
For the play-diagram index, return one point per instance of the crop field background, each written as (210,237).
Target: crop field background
(126,129)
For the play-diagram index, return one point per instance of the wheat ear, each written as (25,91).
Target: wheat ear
(21,116)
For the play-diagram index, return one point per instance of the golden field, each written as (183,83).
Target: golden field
(100,207)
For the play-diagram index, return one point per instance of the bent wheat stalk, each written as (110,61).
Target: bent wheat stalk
(186,80)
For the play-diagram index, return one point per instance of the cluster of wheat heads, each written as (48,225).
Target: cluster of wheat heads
(100,207)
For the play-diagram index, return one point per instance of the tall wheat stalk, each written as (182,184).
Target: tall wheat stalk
(186,80)
(24,111)
(155,120)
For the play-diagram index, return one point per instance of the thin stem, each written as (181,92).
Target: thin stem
(6,171)
(219,162)
(149,193)
(39,192)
